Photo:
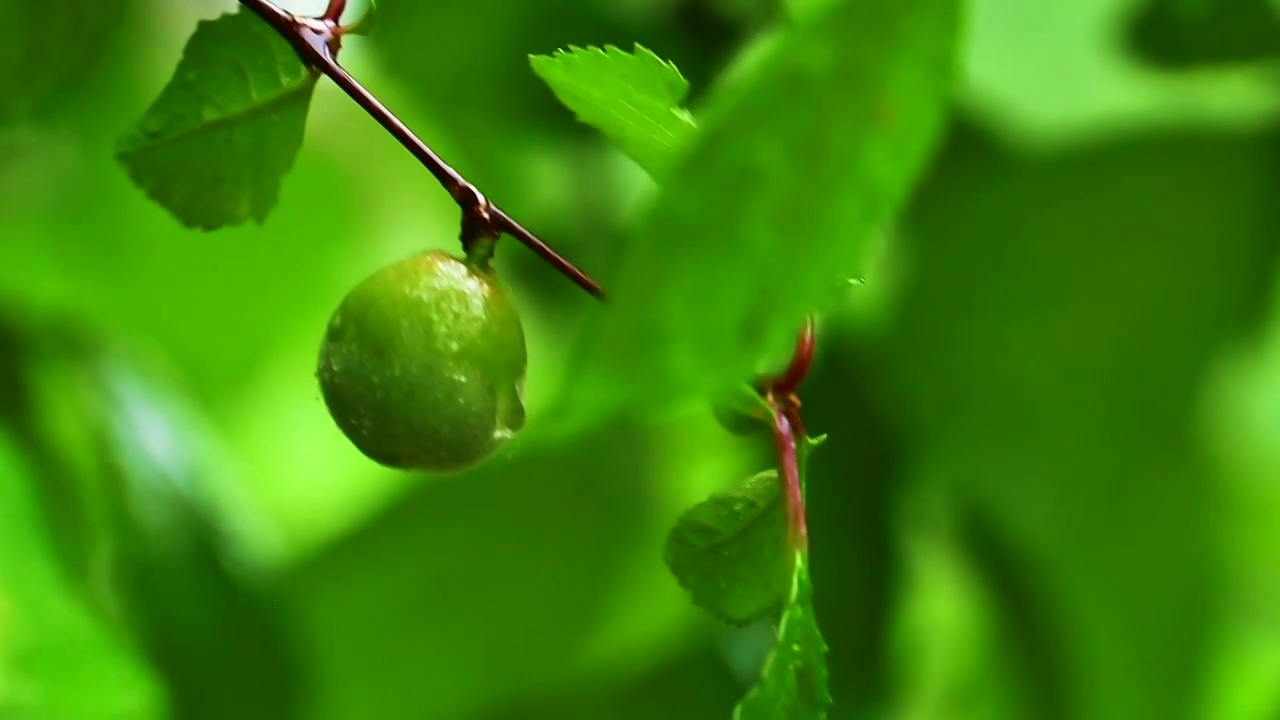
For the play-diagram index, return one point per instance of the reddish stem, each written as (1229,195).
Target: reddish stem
(334,12)
(792,411)
(789,431)
(316,41)
(785,439)
(790,380)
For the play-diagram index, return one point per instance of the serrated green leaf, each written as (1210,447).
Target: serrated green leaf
(633,98)
(793,684)
(730,551)
(795,169)
(215,145)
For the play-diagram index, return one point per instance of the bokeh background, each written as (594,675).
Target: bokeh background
(1052,488)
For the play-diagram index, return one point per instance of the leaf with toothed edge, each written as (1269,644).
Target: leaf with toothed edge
(729,551)
(217,142)
(795,168)
(794,681)
(633,98)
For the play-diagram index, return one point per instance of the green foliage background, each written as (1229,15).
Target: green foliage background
(1051,488)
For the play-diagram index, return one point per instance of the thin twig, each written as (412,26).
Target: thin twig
(785,440)
(316,41)
(334,12)
(789,434)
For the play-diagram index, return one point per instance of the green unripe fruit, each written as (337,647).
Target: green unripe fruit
(423,364)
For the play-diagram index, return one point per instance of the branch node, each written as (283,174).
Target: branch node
(317,41)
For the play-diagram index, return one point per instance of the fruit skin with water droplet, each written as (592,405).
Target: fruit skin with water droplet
(423,364)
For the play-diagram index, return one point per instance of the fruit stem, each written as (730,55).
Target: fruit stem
(479,251)
(316,41)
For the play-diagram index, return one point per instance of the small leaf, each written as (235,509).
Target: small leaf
(215,145)
(797,166)
(633,98)
(742,411)
(793,684)
(730,551)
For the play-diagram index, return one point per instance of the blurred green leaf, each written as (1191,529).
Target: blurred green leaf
(1186,33)
(1243,403)
(742,411)
(49,48)
(365,24)
(633,98)
(1058,401)
(692,686)
(57,660)
(1051,75)
(967,636)
(123,471)
(215,146)
(804,9)
(750,15)
(487,586)
(206,617)
(793,684)
(795,169)
(730,551)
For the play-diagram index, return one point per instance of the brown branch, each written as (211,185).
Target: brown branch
(317,41)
